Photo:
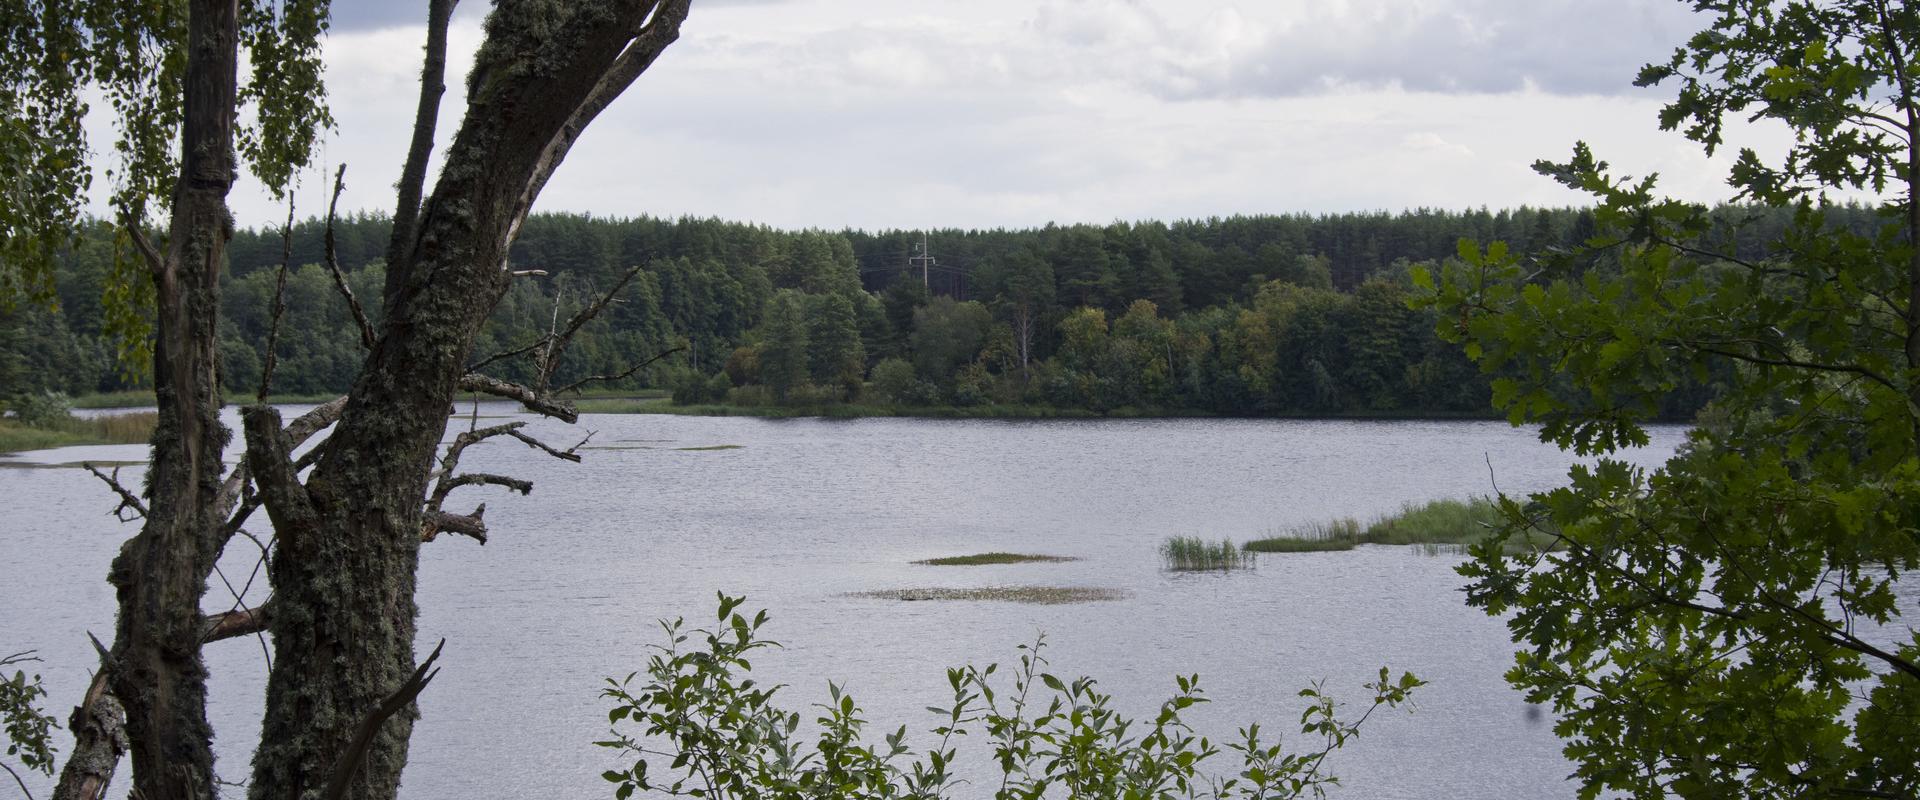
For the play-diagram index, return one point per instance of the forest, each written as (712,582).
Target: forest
(1245,315)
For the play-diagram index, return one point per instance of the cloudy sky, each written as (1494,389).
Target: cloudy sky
(982,113)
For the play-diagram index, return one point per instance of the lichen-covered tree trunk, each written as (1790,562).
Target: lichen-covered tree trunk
(155,665)
(349,537)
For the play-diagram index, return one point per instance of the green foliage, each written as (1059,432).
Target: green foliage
(45,410)
(1340,534)
(1729,624)
(721,736)
(1436,522)
(55,56)
(1192,553)
(29,730)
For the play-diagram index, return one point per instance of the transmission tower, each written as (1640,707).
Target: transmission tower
(925,261)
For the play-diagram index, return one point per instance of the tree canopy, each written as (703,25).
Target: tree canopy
(1735,622)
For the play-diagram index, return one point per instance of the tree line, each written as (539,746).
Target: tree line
(1245,315)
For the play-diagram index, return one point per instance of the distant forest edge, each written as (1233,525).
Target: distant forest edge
(1254,315)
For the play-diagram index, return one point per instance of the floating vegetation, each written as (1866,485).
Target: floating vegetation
(712,447)
(985,559)
(1039,595)
(1318,537)
(1192,553)
(1437,527)
(1436,522)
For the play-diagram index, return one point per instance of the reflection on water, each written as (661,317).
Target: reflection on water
(804,516)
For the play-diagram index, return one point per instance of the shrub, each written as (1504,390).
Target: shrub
(45,410)
(717,733)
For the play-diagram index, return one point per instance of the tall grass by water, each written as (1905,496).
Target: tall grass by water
(132,428)
(1316,537)
(1192,553)
(1432,525)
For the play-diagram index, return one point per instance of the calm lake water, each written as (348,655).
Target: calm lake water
(802,513)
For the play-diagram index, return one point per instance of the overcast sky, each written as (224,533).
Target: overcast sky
(984,113)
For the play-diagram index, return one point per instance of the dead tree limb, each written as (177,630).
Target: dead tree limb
(230,624)
(333,264)
(279,304)
(618,376)
(544,405)
(128,500)
(413,176)
(99,726)
(472,526)
(349,763)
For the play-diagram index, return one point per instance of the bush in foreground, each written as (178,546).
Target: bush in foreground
(719,735)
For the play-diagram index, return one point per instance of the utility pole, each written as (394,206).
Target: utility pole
(926,262)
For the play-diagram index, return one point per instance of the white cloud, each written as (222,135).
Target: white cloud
(909,113)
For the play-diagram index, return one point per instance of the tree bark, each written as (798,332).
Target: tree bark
(343,575)
(155,669)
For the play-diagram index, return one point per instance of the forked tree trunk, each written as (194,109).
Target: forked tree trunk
(349,538)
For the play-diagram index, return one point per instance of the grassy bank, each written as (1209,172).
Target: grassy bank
(134,428)
(1432,524)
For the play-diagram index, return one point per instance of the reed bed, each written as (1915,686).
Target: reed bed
(1039,595)
(1192,553)
(1437,522)
(1317,537)
(1436,527)
(131,428)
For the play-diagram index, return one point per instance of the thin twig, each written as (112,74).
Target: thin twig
(127,499)
(16,779)
(621,376)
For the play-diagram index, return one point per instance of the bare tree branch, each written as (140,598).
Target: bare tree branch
(619,376)
(333,264)
(413,176)
(99,726)
(471,525)
(533,401)
(550,359)
(279,304)
(402,697)
(569,454)
(128,500)
(156,263)
(229,624)
(16,779)
(233,490)
(279,484)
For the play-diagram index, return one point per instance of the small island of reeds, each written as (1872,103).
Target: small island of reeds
(1440,523)
(988,559)
(1194,554)
(1039,595)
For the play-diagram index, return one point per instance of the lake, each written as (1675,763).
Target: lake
(799,515)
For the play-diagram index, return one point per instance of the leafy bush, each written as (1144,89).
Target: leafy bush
(720,736)
(44,410)
(29,730)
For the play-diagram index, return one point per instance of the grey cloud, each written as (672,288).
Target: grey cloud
(1463,46)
